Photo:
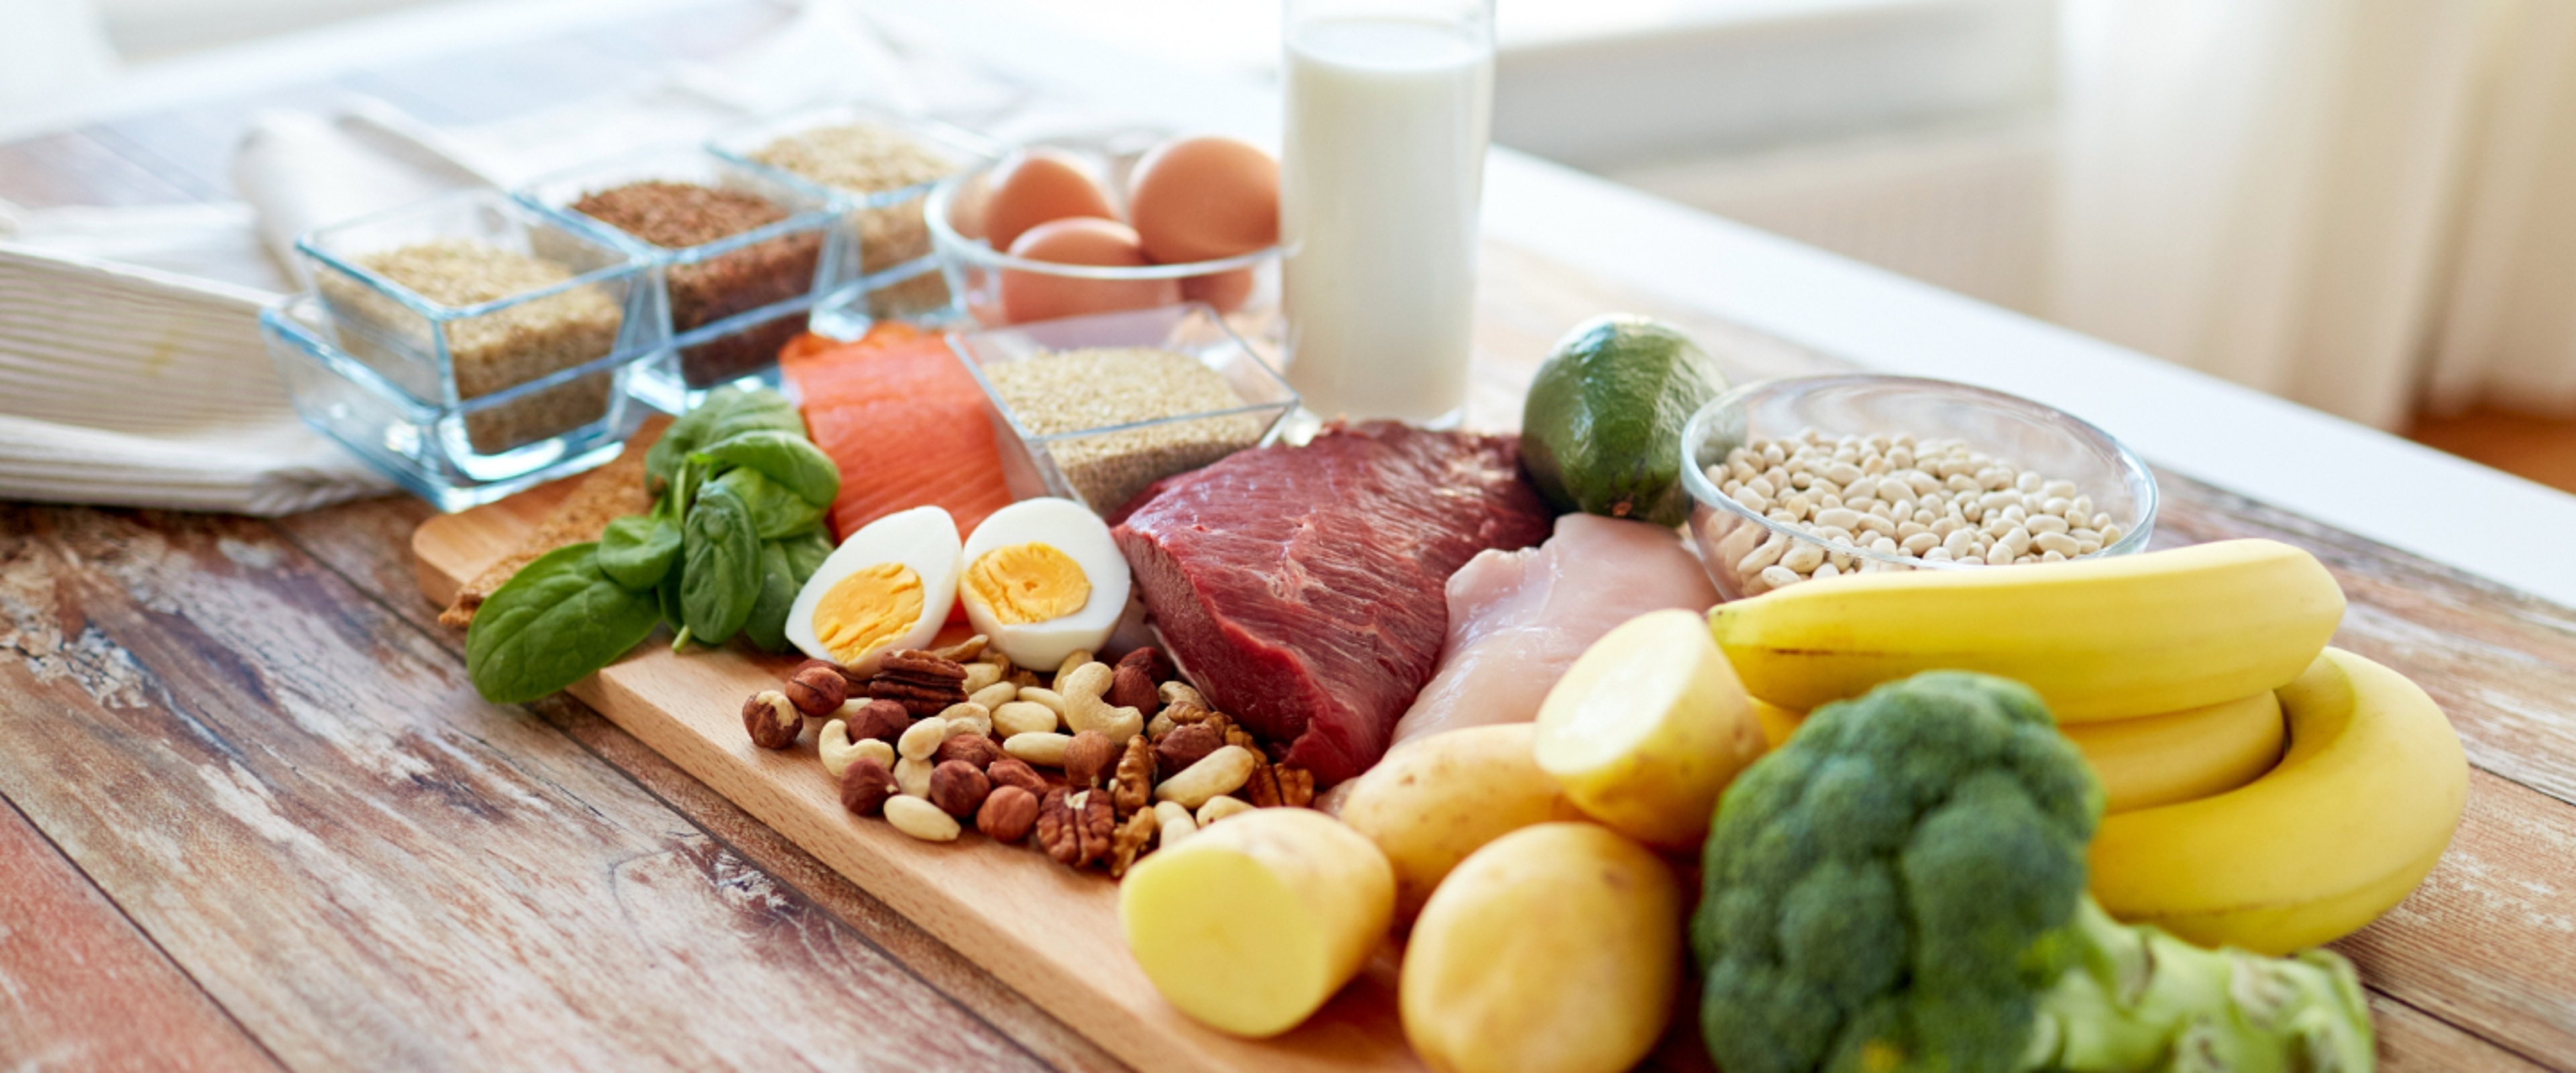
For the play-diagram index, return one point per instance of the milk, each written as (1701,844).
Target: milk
(1382,170)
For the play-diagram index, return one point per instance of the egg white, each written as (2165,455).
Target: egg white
(924,539)
(1068,527)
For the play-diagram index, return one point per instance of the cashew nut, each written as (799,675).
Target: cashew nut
(1215,775)
(1071,663)
(1023,717)
(1218,808)
(837,752)
(1085,710)
(1180,692)
(1175,822)
(980,675)
(967,718)
(1053,700)
(1042,749)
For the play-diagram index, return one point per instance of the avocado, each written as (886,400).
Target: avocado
(1601,432)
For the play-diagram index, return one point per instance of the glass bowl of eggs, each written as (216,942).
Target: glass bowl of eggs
(1072,228)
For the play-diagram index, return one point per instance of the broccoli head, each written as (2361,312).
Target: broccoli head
(1900,889)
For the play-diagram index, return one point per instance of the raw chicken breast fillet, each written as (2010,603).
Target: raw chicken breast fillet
(1517,619)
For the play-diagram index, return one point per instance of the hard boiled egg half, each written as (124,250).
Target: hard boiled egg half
(1044,580)
(888,587)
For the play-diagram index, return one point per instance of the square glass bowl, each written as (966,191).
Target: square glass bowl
(733,300)
(569,301)
(2033,437)
(428,447)
(1103,467)
(879,165)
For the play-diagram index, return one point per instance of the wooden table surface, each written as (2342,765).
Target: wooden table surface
(258,819)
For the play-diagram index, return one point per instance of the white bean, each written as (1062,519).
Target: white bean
(1776,577)
(1803,558)
(2060,543)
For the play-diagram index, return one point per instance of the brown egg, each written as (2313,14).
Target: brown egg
(1227,291)
(1033,186)
(1198,199)
(1083,240)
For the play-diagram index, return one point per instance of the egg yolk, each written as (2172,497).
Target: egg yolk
(1025,583)
(868,610)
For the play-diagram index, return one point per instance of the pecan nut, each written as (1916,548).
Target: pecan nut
(772,719)
(865,786)
(1131,790)
(1076,827)
(924,683)
(1008,814)
(1130,840)
(958,788)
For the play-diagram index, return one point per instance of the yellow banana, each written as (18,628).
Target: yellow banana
(2154,759)
(2182,756)
(2341,830)
(2099,638)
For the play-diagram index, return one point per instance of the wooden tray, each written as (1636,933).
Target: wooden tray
(1045,930)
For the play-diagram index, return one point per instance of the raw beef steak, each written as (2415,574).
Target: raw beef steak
(1304,588)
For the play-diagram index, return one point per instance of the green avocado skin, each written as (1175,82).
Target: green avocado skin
(1601,431)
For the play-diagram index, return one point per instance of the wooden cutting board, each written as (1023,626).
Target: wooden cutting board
(1047,931)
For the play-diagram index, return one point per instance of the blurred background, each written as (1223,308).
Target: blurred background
(2366,206)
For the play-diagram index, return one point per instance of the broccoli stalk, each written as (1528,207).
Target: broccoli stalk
(1900,889)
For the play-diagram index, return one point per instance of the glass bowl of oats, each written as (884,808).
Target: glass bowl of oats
(1096,408)
(880,165)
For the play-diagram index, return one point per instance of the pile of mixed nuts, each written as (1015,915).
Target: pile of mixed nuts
(1100,763)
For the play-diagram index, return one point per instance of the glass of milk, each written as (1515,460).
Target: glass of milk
(1390,103)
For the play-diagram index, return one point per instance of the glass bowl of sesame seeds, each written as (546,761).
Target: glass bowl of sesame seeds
(1811,478)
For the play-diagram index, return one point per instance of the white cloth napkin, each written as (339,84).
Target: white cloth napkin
(132,371)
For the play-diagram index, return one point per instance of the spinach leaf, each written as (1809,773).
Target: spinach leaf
(775,511)
(554,623)
(786,457)
(767,626)
(720,416)
(806,552)
(738,412)
(719,565)
(639,548)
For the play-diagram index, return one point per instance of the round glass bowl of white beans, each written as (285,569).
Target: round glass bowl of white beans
(1819,477)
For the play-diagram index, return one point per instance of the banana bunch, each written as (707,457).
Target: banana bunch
(2263,790)
(2098,638)
(2353,817)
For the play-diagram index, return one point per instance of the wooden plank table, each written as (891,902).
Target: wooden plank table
(257,818)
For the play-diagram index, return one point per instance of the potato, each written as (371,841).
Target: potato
(1252,923)
(1647,728)
(1555,949)
(1434,800)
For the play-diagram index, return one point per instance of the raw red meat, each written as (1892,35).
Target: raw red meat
(1303,588)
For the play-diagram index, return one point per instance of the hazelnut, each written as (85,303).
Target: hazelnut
(817,691)
(883,720)
(1008,814)
(1088,758)
(1187,744)
(1013,771)
(1133,687)
(1150,660)
(773,722)
(958,789)
(974,750)
(865,786)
